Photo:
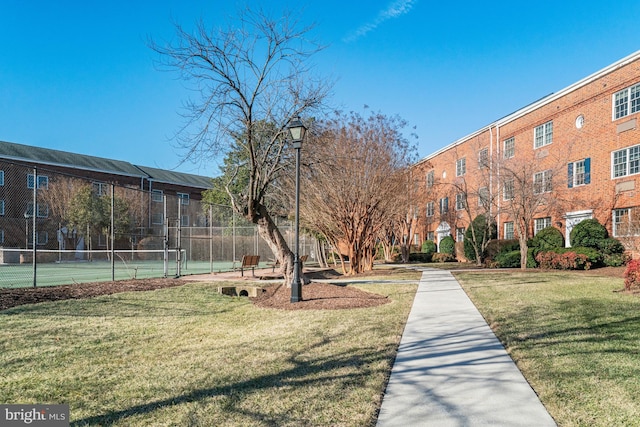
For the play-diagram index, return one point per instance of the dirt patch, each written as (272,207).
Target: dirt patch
(316,296)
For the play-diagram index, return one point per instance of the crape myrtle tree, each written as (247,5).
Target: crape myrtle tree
(527,190)
(249,79)
(354,181)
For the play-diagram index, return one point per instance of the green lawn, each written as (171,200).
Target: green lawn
(187,356)
(574,338)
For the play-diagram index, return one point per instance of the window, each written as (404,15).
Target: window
(416,239)
(483,197)
(42,237)
(483,158)
(184,198)
(430,179)
(1,236)
(508,230)
(43,181)
(460,234)
(2,207)
(626,102)
(461,167)
(541,223)
(626,222)
(1,178)
(184,221)
(542,182)
(579,173)
(508,190)
(543,135)
(509,148)
(99,188)
(626,161)
(430,235)
(157,195)
(444,205)
(460,201)
(42,210)
(157,219)
(430,209)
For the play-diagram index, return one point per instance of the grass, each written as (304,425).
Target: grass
(190,357)
(576,340)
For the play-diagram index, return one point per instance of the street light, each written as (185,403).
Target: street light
(297,131)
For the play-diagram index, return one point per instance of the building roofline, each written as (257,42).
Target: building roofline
(537,104)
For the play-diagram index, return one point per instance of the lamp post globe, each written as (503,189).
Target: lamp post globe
(297,131)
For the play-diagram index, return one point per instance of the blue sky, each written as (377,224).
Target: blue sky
(78,75)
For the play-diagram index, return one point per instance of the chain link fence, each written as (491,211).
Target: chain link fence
(56,228)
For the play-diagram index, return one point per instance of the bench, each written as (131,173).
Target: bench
(249,261)
(276,263)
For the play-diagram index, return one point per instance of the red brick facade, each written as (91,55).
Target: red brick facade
(578,133)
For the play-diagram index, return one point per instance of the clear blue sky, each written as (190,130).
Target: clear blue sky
(78,75)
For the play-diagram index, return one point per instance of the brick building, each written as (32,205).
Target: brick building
(151,195)
(577,151)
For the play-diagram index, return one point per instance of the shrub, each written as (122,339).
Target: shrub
(429,246)
(563,261)
(420,257)
(610,246)
(615,260)
(593,255)
(588,233)
(443,257)
(508,259)
(547,239)
(484,232)
(497,246)
(448,246)
(632,275)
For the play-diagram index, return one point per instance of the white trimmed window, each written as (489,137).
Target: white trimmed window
(483,158)
(1,178)
(157,219)
(508,230)
(509,148)
(430,179)
(460,234)
(99,188)
(543,135)
(626,102)
(184,198)
(157,196)
(626,161)
(626,222)
(461,166)
(508,190)
(43,181)
(430,209)
(42,238)
(542,182)
(430,235)
(541,223)
(42,210)
(1,207)
(460,201)
(444,205)
(184,221)
(579,173)
(483,197)
(1,236)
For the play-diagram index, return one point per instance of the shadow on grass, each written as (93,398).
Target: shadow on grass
(305,373)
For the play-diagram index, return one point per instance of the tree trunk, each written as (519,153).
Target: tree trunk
(270,233)
(523,253)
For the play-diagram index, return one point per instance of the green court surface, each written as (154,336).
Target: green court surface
(66,273)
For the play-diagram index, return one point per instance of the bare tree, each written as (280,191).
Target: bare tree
(355,182)
(526,189)
(249,80)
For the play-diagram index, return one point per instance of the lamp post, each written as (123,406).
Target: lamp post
(297,131)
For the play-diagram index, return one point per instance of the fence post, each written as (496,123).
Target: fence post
(113,233)
(33,224)
(165,237)
(179,237)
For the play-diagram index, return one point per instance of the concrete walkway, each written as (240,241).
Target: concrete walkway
(451,370)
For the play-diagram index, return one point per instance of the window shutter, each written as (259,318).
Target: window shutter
(587,170)
(570,176)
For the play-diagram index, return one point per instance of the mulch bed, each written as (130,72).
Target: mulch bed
(316,296)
